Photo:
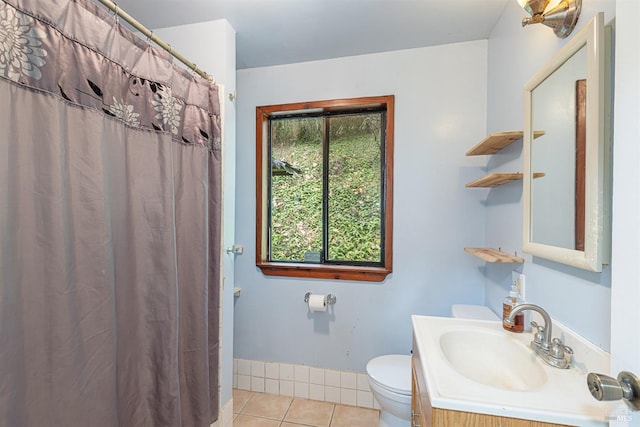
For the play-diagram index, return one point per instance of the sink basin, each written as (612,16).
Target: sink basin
(476,366)
(493,359)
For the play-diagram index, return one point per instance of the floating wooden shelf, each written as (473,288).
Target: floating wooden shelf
(493,255)
(491,145)
(497,141)
(495,179)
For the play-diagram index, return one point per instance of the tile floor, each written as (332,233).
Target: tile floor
(251,409)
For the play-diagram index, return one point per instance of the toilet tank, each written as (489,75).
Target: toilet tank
(477,312)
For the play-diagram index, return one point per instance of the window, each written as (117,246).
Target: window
(324,180)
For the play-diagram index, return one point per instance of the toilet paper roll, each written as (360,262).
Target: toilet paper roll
(316,303)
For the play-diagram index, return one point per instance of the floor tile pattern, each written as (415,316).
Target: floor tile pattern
(253,409)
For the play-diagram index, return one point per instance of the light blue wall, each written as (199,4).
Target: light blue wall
(447,98)
(625,292)
(440,113)
(579,299)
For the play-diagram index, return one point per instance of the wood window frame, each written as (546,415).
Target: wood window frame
(581,158)
(321,271)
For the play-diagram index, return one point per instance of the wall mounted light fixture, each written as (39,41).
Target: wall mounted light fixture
(562,17)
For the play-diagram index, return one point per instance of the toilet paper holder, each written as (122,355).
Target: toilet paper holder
(329,299)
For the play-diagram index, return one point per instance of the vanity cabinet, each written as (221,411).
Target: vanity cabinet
(420,407)
(424,415)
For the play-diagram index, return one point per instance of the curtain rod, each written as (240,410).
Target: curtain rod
(147,32)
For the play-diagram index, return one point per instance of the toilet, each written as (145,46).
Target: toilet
(390,382)
(476,312)
(390,375)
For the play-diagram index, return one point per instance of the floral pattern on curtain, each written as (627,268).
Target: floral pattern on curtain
(37,54)
(110,225)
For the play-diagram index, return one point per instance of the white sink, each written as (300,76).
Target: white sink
(493,358)
(477,366)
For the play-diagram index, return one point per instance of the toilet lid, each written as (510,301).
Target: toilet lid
(391,371)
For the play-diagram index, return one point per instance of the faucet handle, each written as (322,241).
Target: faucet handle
(535,325)
(558,349)
(562,354)
(539,336)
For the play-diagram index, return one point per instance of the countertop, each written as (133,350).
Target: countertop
(564,398)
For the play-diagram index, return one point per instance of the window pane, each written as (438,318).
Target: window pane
(307,153)
(355,188)
(296,189)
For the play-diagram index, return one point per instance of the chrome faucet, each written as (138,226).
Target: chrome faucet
(551,350)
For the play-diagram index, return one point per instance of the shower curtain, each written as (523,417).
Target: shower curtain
(110,202)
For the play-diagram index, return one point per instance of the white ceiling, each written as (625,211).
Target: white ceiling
(271,32)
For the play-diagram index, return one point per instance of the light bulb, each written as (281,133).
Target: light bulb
(534,7)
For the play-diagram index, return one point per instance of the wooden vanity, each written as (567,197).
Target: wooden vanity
(424,415)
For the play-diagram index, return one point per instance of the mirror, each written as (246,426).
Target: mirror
(565,198)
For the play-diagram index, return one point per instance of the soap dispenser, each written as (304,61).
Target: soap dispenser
(509,304)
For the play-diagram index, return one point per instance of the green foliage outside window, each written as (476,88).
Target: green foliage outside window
(354,188)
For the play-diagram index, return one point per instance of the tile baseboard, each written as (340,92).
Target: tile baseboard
(285,379)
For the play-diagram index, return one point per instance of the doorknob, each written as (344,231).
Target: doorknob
(626,387)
